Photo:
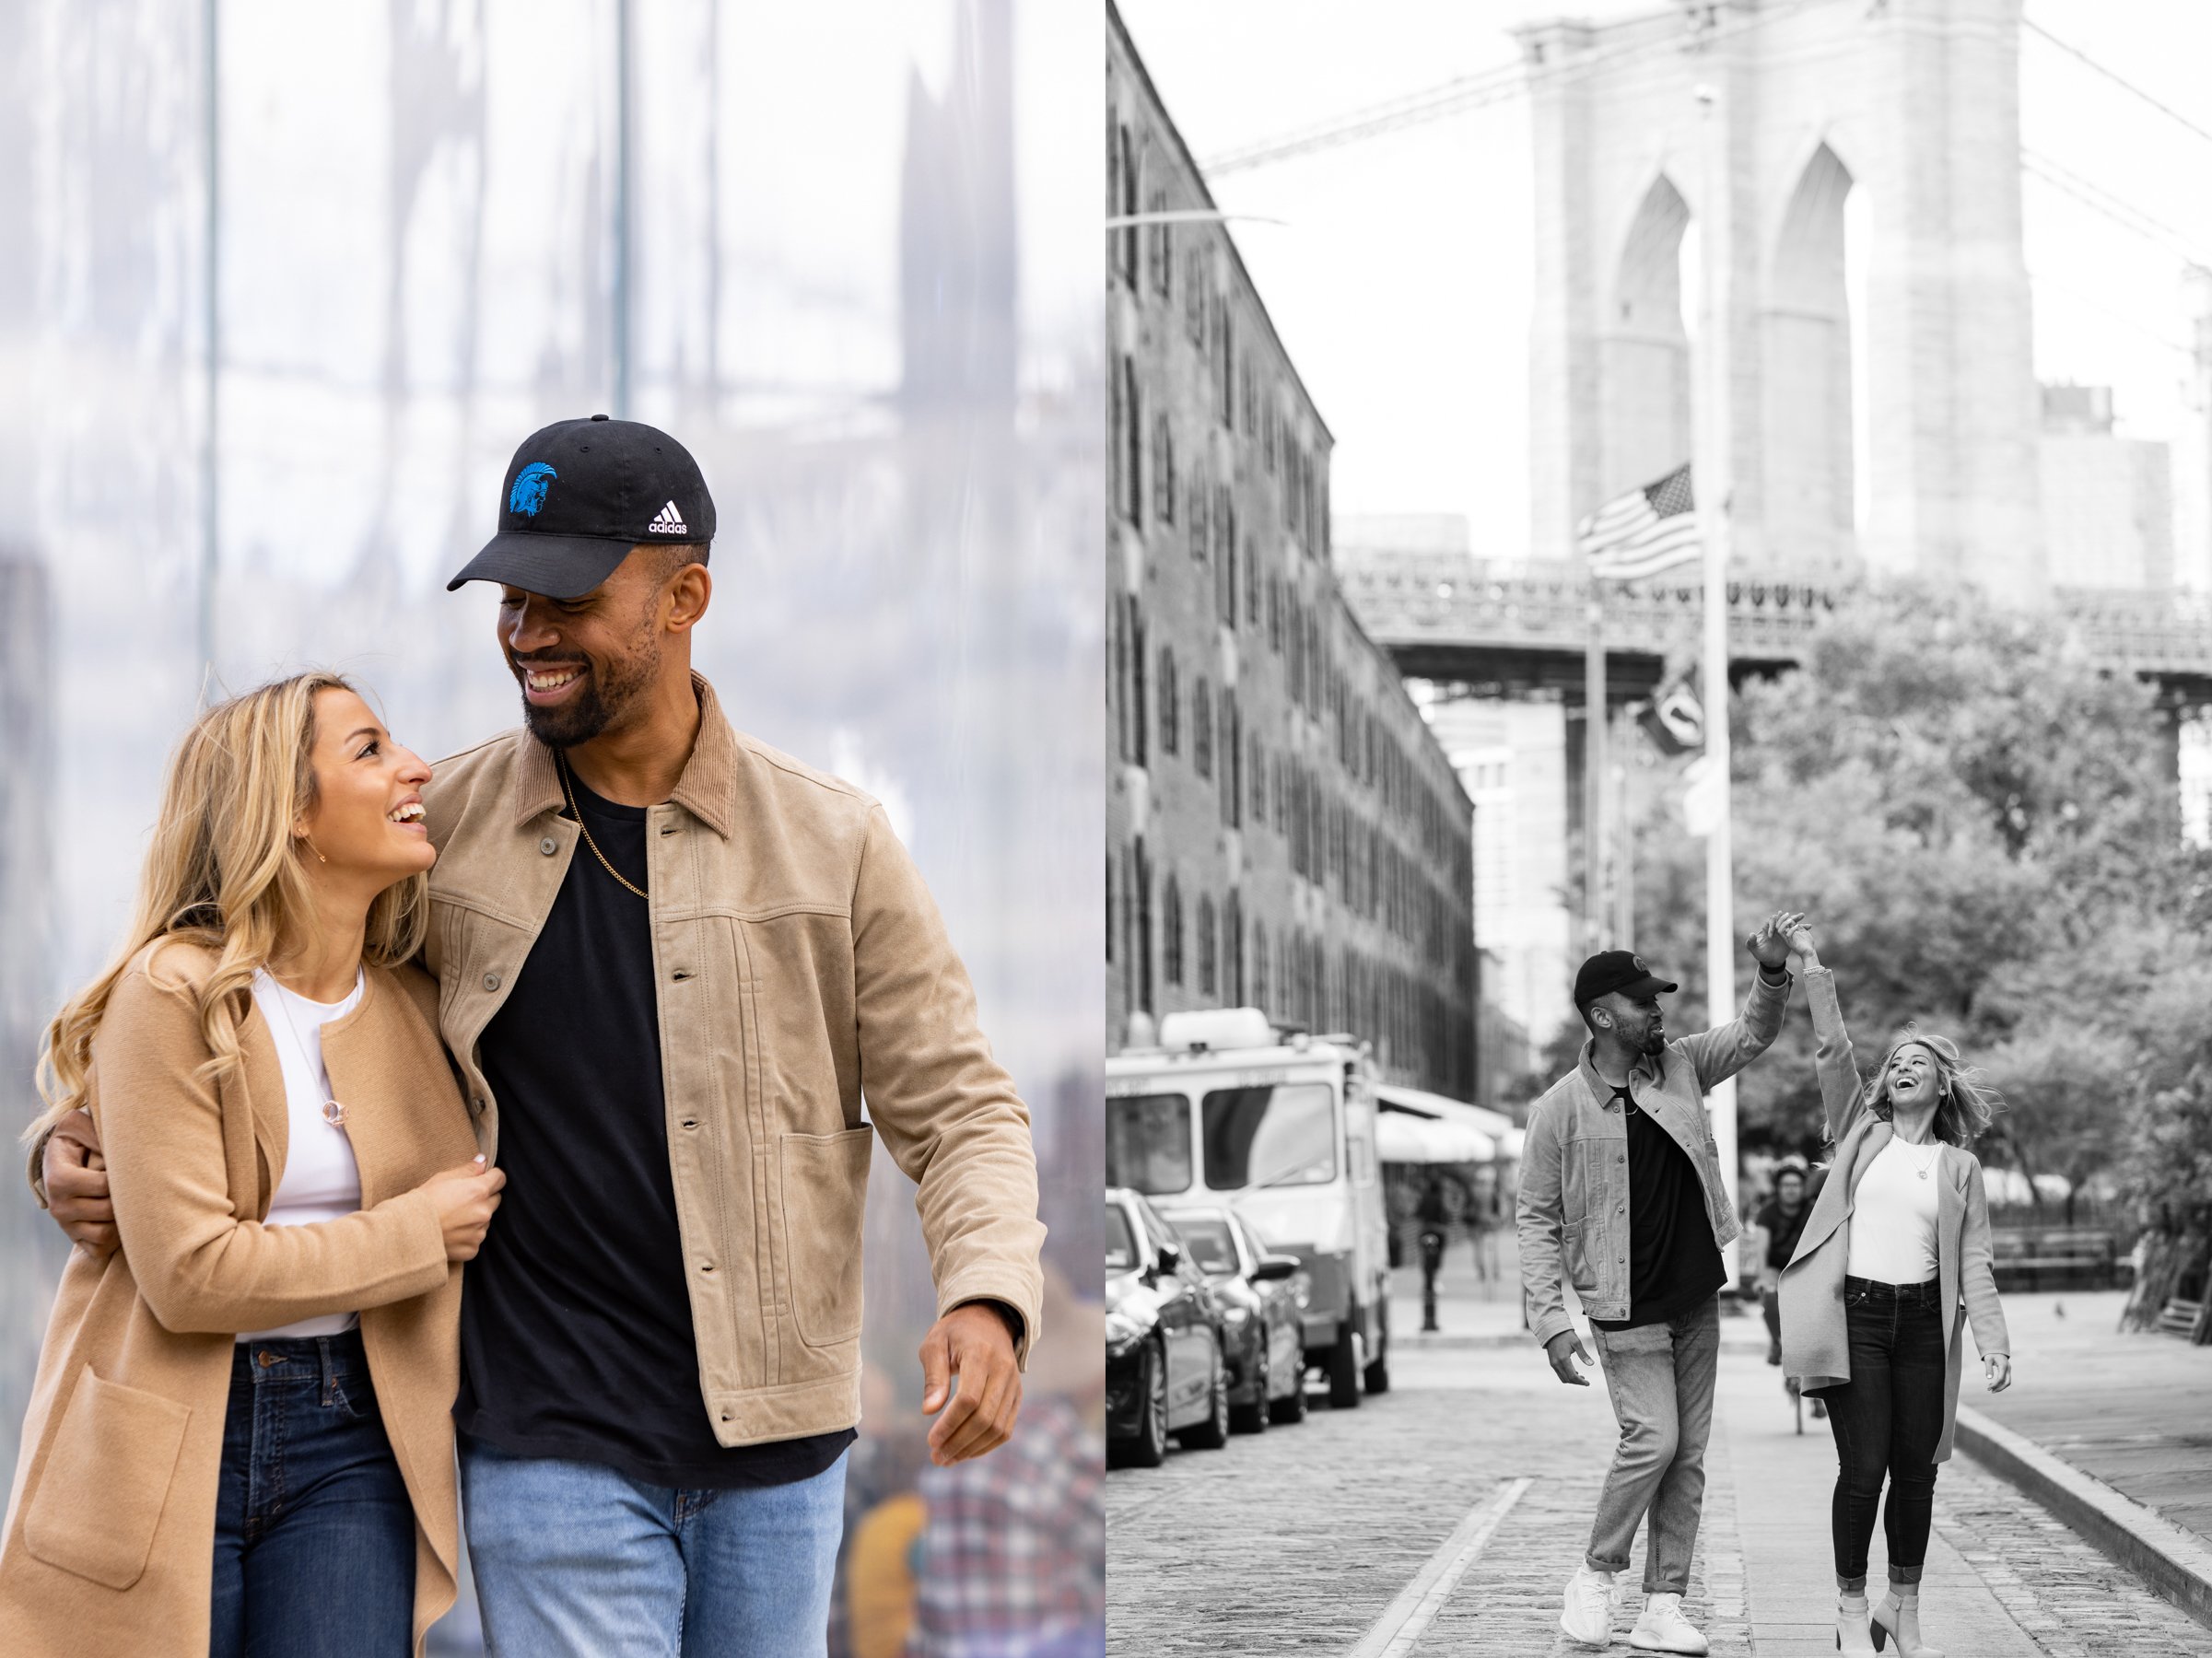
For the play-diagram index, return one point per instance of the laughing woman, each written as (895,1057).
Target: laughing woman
(1897,1244)
(241,1439)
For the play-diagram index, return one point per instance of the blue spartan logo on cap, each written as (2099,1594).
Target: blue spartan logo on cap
(530,484)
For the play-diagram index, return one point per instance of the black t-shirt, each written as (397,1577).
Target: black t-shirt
(1782,1231)
(576,1336)
(1673,1263)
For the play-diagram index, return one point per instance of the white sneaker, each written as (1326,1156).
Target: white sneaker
(1663,1629)
(1590,1613)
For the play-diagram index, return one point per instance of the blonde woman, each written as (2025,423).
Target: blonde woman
(240,1439)
(1898,1242)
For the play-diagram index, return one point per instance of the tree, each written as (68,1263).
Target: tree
(1986,829)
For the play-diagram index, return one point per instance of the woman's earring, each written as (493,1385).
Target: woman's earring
(316,850)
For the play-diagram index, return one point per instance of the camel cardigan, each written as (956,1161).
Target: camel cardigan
(1816,1343)
(110,1535)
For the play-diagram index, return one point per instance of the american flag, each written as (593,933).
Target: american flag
(1643,532)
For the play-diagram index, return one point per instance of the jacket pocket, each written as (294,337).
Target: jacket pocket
(1575,1255)
(106,1481)
(824,1193)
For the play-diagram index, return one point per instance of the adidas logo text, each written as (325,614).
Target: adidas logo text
(668,521)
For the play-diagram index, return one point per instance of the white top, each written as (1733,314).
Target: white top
(1894,1215)
(320,1180)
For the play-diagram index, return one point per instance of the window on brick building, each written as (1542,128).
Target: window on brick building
(1208,985)
(1225,376)
(1199,528)
(1135,699)
(1275,614)
(1138,964)
(1201,728)
(1232,749)
(1126,244)
(1132,426)
(1233,950)
(1194,297)
(1164,471)
(1267,433)
(1251,584)
(1258,771)
(1171,719)
(1226,584)
(1247,403)
(1259,964)
(1171,934)
(1161,254)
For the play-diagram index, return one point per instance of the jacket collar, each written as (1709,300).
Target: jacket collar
(708,790)
(1601,1091)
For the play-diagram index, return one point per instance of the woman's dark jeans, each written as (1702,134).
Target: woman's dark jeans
(1886,1419)
(315,1534)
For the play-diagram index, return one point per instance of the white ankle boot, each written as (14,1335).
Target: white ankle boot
(1854,1639)
(1898,1616)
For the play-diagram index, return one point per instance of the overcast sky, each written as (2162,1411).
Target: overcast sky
(1401,280)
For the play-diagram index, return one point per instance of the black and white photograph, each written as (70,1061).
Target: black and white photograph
(1658,598)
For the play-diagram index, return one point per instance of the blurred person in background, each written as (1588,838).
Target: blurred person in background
(241,1434)
(1779,1223)
(1012,1558)
(671,962)
(1897,1243)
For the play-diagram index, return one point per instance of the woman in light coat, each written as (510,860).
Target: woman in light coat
(1898,1242)
(241,1439)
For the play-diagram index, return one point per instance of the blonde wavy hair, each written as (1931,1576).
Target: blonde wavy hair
(225,872)
(1969,1103)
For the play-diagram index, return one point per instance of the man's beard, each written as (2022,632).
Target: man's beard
(606,695)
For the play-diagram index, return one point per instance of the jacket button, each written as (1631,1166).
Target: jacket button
(1621,1159)
(491,981)
(549,846)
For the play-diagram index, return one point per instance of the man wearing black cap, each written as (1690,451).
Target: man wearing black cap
(671,960)
(1622,1194)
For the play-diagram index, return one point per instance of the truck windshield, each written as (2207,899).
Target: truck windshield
(1121,1248)
(1279,1134)
(1148,1143)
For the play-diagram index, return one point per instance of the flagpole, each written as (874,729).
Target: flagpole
(1594,771)
(1712,474)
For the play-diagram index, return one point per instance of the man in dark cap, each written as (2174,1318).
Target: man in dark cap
(671,962)
(1621,1193)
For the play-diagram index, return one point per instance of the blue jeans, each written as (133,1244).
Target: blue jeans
(1660,1377)
(314,1534)
(575,1560)
(1886,1419)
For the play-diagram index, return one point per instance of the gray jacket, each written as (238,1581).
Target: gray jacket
(1573,1200)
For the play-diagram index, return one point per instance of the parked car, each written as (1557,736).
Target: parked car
(1165,1344)
(1263,1297)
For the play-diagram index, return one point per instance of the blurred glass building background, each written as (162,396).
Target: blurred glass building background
(281,288)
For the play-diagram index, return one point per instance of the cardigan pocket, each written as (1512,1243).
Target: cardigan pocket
(106,1481)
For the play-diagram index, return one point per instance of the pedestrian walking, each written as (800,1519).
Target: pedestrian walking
(1779,1223)
(1897,1243)
(1622,1195)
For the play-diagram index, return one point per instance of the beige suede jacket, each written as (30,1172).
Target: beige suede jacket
(802,969)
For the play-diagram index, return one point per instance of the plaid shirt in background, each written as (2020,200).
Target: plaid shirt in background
(1012,1563)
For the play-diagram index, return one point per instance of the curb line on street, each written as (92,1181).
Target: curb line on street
(2175,1562)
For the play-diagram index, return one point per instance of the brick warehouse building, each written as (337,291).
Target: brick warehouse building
(1282,830)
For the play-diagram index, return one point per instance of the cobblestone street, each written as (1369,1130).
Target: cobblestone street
(1335,1536)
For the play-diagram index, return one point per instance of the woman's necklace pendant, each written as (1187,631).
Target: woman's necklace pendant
(1923,1173)
(333,1113)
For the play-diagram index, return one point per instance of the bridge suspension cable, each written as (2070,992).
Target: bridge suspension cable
(2116,78)
(1471,92)
(2102,201)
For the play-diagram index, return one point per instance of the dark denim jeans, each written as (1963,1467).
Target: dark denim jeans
(315,1534)
(1888,1419)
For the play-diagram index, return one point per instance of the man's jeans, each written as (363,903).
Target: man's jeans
(314,1534)
(575,1560)
(1661,1379)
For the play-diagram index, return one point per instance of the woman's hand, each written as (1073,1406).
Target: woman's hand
(466,1198)
(1802,946)
(1997,1372)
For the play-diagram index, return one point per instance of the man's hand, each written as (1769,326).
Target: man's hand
(1770,944)
(972,1343)
(1997,1372)
(76,1185)
(1562,1349)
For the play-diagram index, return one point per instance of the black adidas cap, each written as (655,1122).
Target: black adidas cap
(1611,969)
(579,495)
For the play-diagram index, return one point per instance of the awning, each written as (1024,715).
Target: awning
(1412,1106)
(1400,1137)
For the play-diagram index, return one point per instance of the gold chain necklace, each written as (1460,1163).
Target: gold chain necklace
(562,760)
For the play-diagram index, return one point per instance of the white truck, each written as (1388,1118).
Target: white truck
(1279,1125)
